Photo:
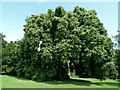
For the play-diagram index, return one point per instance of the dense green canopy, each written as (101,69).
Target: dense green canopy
(71,41)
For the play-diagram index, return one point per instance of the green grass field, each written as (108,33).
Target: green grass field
(15,82)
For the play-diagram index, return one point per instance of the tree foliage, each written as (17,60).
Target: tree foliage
(117,51)
(69,39)
(8,56)
(9,59)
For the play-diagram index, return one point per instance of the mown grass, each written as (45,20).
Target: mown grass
(15,82)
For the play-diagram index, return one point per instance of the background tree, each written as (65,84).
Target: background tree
(3,44)
(9,59)
(117,50)
(8,56)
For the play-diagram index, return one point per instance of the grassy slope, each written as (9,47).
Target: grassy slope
(14,82)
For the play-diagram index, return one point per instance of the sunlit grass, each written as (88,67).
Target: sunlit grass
(15,82)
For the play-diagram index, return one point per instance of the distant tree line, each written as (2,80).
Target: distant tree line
(72,41)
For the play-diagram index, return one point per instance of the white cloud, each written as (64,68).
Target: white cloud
(14,36)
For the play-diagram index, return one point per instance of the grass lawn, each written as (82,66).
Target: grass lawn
(15,82)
